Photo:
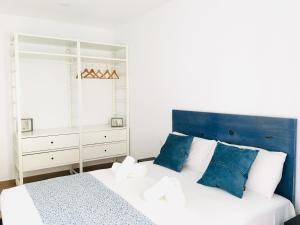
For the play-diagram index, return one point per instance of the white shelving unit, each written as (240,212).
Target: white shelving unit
(71,115)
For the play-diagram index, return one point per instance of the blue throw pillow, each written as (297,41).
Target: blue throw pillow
(174,152)
(229,169)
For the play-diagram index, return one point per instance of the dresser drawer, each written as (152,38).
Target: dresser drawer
(105,150)
(103,136)
(50,159)
(50,142)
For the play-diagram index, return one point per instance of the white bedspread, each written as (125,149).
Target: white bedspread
(205,205)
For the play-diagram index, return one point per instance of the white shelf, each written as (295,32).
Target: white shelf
(49,132)
(103,58)
(95,128)
(71,56)
(68,130)
(47,54)
(109,46)
(24,35)
(112,46)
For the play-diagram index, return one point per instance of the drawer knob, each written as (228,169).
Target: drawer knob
(51,142)
(105,136)
(52,158)
(105,150)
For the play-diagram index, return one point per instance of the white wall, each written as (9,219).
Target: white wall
(230,56)
(8,25)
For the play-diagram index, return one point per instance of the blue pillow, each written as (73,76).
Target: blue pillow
(174,152)
(229,169)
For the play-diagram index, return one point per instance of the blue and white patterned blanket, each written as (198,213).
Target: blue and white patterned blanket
(81,199)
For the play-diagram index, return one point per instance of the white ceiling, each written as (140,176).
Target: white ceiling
(85,12)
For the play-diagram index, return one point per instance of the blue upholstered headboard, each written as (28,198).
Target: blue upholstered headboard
(273,134)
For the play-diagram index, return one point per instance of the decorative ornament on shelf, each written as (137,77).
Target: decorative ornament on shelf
(26,124)
(117,122)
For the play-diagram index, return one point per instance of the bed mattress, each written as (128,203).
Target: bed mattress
(205,205)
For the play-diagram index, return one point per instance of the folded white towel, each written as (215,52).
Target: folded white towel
(128,169)
(175,194)
(115,166)
(138,170)
(124,169)
(128,161)
(158,190)
(167,188)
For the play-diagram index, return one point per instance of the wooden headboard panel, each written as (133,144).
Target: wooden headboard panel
(273,134)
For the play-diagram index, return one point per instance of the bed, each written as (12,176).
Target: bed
(205,205)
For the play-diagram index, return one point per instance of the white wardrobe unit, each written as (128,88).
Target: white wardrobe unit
(71,109)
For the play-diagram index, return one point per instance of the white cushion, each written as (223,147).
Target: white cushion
(266,171)
(200,155)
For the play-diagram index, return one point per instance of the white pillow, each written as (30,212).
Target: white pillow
(200,155)
(266,171)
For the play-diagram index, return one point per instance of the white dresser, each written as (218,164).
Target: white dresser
(104,144)
(59,147)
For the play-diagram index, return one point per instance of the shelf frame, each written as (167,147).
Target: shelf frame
(23,52)
(77,58)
